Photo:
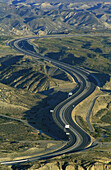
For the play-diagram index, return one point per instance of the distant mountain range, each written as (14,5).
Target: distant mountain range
(51,1)
(20,17)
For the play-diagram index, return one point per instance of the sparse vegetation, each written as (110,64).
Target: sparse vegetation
(28,18)
(107,117)
(90,52)
(15,136)
(101,112)
(82,123)
(28,90)
(22,78)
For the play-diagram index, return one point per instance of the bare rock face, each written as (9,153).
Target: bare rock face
(74,167)
(80,168)
(95,166)
(61,165)
(48,166)
(100,166)
(70,167)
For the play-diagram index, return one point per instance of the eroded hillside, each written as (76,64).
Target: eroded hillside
(25,17)
(29,89)
(22,72)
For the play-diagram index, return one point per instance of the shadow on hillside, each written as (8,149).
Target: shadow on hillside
(102,77)
(66,57)
(10,60)
(71,59)
(21,167)
(41,118)
(108,91)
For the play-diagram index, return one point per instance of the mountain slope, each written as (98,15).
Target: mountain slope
(21,72)
(22,18)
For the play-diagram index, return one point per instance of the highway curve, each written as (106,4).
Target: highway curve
(78,139)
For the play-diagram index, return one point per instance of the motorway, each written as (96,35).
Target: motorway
(77,138)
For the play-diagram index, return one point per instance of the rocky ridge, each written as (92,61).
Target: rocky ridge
(99,164)
(24,17)
(21,72)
